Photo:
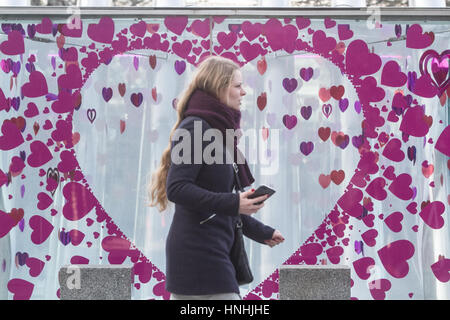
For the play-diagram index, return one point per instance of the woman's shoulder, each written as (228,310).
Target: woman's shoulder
(189,121)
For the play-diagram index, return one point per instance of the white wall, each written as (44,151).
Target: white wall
(14,2)
(169,3)
(348,3)
(426,3)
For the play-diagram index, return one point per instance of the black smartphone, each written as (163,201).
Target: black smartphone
(262,190)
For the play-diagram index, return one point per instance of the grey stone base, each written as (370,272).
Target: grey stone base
(317,282)
(95,282)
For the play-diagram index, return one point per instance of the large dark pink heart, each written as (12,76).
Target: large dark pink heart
(432,214)
(14,45)
(40,154)
(21,289)
(12,137)
(35,266)
(400,187)
(378,288)
(37,86)
(41,227)
(119,249)
(79,201)
(395,256)
(103,31)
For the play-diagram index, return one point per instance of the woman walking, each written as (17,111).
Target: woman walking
(201,235)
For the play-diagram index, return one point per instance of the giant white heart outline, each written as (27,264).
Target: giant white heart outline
(112,203)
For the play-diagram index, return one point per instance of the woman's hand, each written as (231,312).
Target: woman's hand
(277,238)
(247,206)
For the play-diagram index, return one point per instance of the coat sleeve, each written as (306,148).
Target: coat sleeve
(255,229)
(182,189)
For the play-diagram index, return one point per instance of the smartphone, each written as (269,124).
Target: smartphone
(262,190)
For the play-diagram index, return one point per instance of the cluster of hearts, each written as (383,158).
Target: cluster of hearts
(243,43)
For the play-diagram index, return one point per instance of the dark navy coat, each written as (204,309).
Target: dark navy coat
(202,230)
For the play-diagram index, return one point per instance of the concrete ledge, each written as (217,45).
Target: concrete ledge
(317,282)
(95,282)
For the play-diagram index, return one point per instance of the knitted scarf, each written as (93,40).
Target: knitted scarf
(221,117)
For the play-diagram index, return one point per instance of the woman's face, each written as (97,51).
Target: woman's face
(233,95)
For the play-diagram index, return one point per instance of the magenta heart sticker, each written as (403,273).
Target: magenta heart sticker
(14,44)
(41,227)
(74,210)
(11,137)
(103,31)
(362,267)
(432,214)
(369,237)
(378,288)
(37,86)
(176,24)
(21,289)
(395,256)
(394,221)
(35,266)
(39,155)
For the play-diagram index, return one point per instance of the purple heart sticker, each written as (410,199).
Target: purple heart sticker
(306,147)
(64,237)
(357,141)
(21,258)
(306,73)
(358,107)
(136,99)
(107,93)
(290,84)
(289,121)
(306,112)
(180,66)
(343,104)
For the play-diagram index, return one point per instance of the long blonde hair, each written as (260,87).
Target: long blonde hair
(212,76)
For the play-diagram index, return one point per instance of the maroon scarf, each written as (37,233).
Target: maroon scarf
(221,117)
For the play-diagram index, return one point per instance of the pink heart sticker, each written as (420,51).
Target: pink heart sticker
(21,289)
(41,227)
(395,256)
